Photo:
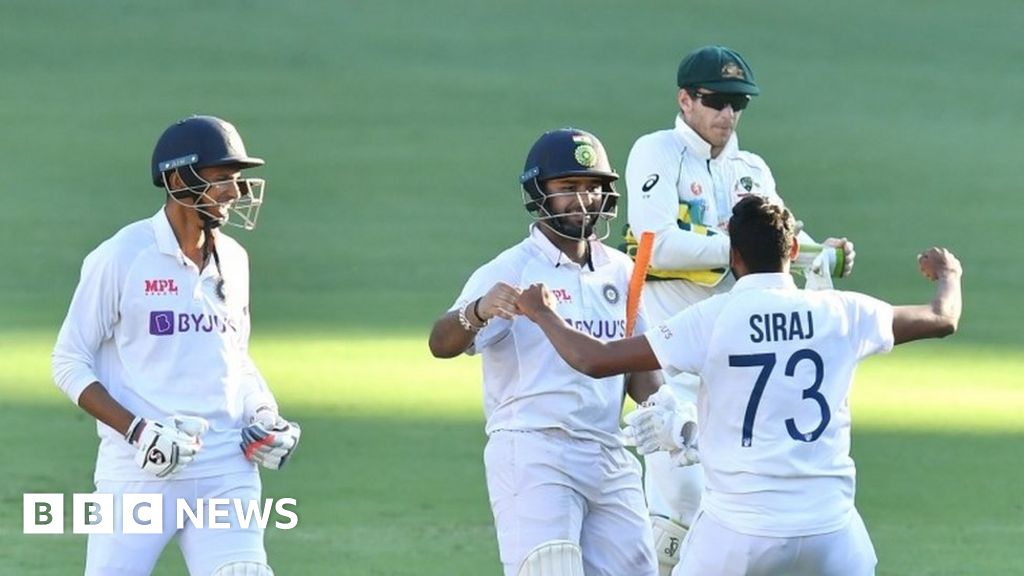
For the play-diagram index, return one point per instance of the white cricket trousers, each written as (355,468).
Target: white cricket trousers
(545,485)
(711,548)
(204,549)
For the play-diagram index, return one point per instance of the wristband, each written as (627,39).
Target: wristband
(132,427)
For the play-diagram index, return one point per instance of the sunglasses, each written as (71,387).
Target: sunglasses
(719,100)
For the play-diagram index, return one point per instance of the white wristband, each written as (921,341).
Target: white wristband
(132,427)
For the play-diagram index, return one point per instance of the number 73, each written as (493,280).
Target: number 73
(767,363)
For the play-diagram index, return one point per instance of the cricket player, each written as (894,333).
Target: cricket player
(566,495)
(682,184)
(155,347)
(776,365)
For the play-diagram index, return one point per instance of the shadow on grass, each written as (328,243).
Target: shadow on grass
(396,497)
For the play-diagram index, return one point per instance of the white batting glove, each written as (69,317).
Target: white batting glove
(848,254)
(663,423)
(164,448)
(270,440)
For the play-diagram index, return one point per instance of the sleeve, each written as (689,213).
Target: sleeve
(870,324)
(680,342)
(256,392)
(479,283)
(90,320)
(651,176)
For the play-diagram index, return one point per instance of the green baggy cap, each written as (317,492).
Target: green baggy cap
(719,69)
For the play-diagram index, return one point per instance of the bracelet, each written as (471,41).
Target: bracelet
(464,320)
(476,312)
(132,427)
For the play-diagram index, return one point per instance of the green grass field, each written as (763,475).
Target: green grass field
(394,133)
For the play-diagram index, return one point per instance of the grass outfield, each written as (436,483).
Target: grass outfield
(390,478)
(394,133)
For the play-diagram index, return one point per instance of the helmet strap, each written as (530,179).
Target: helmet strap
(210,247)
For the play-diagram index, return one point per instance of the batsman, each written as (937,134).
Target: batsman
(682,184)
(155,346)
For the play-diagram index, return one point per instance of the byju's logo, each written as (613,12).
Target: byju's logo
(167,322)
(161,322)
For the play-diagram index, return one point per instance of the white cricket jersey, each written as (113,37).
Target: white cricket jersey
(149,326)
(776,365)
(671,167)
(527,385)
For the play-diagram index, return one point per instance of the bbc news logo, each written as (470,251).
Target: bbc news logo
(167,322)
(95,513)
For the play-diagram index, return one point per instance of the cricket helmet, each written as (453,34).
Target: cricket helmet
(198,142)
(565,153)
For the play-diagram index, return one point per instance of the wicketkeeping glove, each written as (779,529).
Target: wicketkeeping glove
(164,448)
(270,440)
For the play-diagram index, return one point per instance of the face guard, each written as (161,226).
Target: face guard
(589,221)
(570,153)
(245,207)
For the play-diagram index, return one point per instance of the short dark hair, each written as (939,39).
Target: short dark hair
(763,233)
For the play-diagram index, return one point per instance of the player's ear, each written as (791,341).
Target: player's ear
(684,100)
(173,180)
(794,250)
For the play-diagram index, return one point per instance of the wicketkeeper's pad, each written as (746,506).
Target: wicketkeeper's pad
(668,541)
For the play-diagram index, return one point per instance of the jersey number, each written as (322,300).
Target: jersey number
(767,364)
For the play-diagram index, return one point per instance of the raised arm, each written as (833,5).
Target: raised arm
(941,316)
(455,330)
(583,352)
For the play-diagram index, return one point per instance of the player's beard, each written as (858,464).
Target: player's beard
(564,225)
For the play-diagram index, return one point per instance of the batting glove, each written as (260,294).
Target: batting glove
(270,440)
(848,255)
(164,448)
(663,423)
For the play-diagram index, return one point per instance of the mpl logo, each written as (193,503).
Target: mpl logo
(167,322)
(161,287)
(562,295)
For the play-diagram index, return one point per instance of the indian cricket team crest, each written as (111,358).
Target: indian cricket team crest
(585,154)
(611,293)
(732,70)
(747,183)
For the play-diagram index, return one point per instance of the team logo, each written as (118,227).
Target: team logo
(586,156)
(732,70)
(161,287)
(696,189)
(611,293)
(747,182)
(650,182)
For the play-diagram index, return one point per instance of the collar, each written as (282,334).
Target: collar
(598,256)
(701,147)
(166,241)
(765,281)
